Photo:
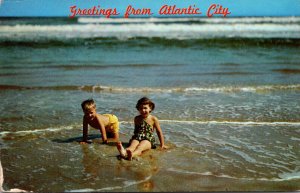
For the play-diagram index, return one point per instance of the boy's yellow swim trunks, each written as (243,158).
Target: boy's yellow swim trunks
(113,125)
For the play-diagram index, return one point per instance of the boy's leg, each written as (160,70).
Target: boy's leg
(115,128)
(121,149)
(114,136)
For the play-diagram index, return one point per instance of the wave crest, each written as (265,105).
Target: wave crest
(99,88)
(168,28)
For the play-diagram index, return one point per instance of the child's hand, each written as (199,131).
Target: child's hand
(164,147)
(105,142)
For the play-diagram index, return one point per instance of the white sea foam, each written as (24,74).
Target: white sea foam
(58,129)
(152,29)
(245,156)
(250,123)
(235,122)
(244,88)
(283,177)
(168,90)
(37,131)
(199,173)
(126,184)
(199,19)
(99,88)
(295,139)
(290,176)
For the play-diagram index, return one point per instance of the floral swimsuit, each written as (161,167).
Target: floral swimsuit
(144,131)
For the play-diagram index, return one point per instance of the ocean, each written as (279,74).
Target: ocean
(227,94)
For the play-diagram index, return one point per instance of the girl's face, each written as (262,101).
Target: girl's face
(145,110)
(90,113)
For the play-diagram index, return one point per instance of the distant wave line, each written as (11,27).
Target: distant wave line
(99,88)
(87,66)
(170,31)
(235,122)
(251,20)
(126,28)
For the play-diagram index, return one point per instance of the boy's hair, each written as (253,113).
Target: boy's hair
(88,104)
(145,101)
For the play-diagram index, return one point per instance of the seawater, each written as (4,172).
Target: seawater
(226,93)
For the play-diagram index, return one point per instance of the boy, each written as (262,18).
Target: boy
(108,124)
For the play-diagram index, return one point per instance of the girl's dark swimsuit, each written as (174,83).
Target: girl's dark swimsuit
(144,131)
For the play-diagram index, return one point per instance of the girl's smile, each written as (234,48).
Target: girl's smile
(145,110)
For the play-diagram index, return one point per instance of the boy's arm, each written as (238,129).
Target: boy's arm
(103,131)
(159,133)
(85,130)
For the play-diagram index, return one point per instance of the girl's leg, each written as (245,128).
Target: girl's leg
(133,144)
(142,146)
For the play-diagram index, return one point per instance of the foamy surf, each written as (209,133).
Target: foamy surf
(116,89)
(248,20)
(126,184)
(234,123)
(156,27)
(36,131)
(98,88)
(62,128)
(282,177)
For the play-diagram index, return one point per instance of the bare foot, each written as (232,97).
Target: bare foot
(129,154)
(121,149)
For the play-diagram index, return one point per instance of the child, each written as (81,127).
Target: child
(144,125)
(108,124)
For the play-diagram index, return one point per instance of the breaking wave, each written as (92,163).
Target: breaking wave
(99,88)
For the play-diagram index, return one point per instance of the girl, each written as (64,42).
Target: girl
(144,125)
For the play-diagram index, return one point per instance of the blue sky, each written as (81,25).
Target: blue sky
(62,7)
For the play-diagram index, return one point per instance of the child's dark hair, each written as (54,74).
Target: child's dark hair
(145,101)
(88,104)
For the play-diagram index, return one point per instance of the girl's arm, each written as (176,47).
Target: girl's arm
(159,133)
(135,120)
